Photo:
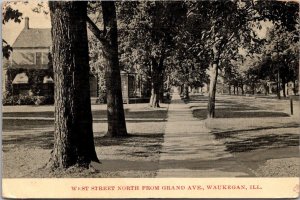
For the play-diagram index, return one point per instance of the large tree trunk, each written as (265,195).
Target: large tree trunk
(73,132)
(115,111)
(253,88)
(242,88)
(156,78)
(161,89)
(155,92)
(186,91)
(212,90)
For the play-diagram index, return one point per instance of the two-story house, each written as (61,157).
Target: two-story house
(30,59)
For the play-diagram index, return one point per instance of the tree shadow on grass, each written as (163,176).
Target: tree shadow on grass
(24,124)
(196,99)
(231,134)
(134,114)
(151,143)
(46,114)
(42,140)
(153,113)
(129,140)
(263,142)
(238,111)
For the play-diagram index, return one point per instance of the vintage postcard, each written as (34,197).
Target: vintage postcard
(150,99)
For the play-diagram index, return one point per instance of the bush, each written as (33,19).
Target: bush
(10,100)
(27,100)
(44,100)
(102,98)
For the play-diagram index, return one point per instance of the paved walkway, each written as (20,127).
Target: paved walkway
(190,150)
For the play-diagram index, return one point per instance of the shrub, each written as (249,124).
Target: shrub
(102,98)
(28,100)
(10,100)
(46,100)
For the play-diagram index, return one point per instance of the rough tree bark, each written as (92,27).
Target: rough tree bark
(161,89)
(115,110)
(242,88)
(109,40)
(212,90)
(186,90)
(73,132)
(156,81)
(283,81)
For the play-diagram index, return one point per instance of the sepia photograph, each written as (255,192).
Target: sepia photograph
(154,92)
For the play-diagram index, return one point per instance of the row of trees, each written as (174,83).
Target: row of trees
(181,43)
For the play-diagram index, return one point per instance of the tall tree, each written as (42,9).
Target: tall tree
(109,40)
(150,34)
(73,134)
(222,26)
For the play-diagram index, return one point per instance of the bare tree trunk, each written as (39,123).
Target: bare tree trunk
(161,89)
(283,86)
(157,70)
(242,88)
(212,90)
(186,91)
(115,111)
(73,132)
(278,84)
(229,89)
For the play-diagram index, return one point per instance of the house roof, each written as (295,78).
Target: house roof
(33,37)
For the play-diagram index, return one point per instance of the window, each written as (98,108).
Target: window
(38,58)
(23,58)
(45,59)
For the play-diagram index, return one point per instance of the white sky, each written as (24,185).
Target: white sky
(11,30)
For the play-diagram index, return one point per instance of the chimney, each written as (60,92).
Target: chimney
(26,23)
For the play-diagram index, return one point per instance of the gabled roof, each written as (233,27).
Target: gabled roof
(33,37)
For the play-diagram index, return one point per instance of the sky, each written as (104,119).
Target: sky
(11,30)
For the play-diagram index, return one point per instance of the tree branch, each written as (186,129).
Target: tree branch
(96,31)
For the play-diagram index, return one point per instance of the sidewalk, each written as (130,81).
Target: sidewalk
(190,150)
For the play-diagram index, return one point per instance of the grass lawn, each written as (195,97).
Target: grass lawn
(258,132)
(27,145)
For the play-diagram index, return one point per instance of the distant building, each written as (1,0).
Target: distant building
(30,54)
(28,71)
